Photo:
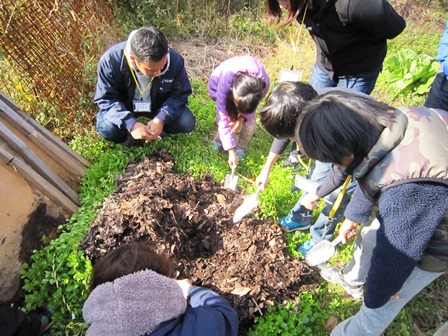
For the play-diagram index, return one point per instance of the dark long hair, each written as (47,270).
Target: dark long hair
(275,12)
(244,95)
(128,259)
(339,124)
(284,105)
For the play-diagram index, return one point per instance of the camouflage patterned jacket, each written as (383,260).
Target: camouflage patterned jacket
(414,149)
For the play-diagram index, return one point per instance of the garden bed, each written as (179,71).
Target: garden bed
(191,220)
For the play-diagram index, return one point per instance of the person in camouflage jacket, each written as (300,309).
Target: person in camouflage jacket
(400,159)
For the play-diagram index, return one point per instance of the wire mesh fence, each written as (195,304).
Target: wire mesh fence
(48,58)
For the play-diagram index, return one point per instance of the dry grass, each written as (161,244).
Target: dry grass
(202,55)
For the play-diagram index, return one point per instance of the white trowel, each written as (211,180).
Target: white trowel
(304,184)
(322,251)
(231,181)
(248,205)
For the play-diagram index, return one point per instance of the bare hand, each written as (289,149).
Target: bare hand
(154,128)
(263,179)
(348,230)
(233,158)
(309,201)
(185,285)
(236,125)
(139,131)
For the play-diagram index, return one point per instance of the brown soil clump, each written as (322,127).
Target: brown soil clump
(191,220)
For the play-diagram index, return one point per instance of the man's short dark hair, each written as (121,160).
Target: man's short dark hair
(284,105)
(338,124)
(148,44)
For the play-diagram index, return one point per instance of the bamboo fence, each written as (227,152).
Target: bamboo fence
(50,42)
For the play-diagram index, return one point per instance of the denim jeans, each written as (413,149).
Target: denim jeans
(355,272)
(438,95)
(372,322)
(323,228)
(364,82)
(118,134)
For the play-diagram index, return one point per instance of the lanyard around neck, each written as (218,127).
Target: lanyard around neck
(295,43)
(135,78)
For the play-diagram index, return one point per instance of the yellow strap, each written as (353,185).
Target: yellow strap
(135,78)
(338,201)
(304,165)
(295,43)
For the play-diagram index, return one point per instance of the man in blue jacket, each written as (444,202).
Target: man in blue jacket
(142,77)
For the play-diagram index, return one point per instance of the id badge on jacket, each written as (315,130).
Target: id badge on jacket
(142,107)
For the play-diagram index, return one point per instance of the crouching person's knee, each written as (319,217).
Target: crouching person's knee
(185,124)
(109,131)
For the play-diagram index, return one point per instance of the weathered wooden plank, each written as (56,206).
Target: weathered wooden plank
(32,129)
(37,181)
(36,162)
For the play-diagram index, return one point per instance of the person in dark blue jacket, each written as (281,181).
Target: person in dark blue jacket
(438,95)
(134,293)
(142,77)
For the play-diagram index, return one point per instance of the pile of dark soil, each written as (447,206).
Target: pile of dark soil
(191,220)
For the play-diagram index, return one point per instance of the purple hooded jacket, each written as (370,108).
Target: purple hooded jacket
(219,84)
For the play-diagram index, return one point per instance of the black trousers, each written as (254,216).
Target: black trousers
(438,95)
(15,322)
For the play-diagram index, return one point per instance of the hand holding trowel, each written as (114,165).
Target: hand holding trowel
(231,181)
(248,205)
(325,249)
(322,251)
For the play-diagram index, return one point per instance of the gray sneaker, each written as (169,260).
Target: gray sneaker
(333,274)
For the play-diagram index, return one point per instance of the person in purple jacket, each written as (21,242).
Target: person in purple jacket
(237,85)
(134,293)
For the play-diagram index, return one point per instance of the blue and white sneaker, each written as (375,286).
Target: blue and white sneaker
(306,247)
(289,225)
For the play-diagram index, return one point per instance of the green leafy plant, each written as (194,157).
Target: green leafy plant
(407,72)
(306,317)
